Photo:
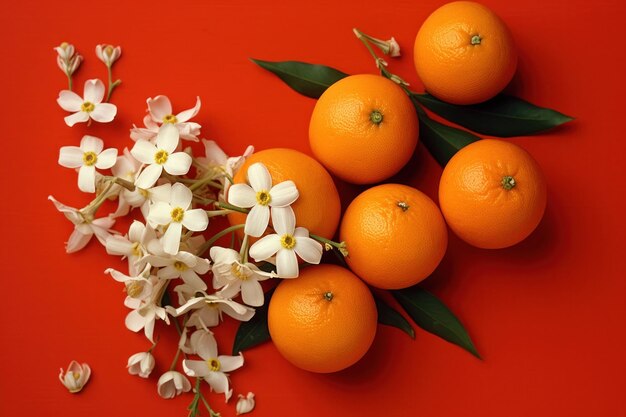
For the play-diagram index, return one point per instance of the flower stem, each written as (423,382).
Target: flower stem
(329,244)
(69,80)
(243,252)
(206,245)
(175,361)
(112,84)
(227,206)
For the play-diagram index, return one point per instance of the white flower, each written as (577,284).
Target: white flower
(286,243)
(141,364)
(160,157)
(245,404)
(66,60)
(171,384)
(127,167)
(234,276)
(213,368)
(89,107)
(133,246)
(108,53)
(87,157)
(183,265)
(139,288)
(160,112)
(84,227)
(260,195)
(220,166)
(144,317)
(176,213)
(209,309)
(76,376)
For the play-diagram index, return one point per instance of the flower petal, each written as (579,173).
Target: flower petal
(87,179)
(160,213)
(257,221)
(106,159)
(259,177)
(159,107)
(149,176)
(104,112)
(241,195)
(144,151)
(287,264)
(283,220)
(77,117)
(134,321)
(118,245)
(196,368)
(204,344)
(161,193)
(252,293)
(94,91)
(167,138)
(70,156)
(223,255)
(192,279)
(77,241)
(69,101)
(196,220)
(181,196)
(185,115)
(218,381)
(230,363)
(177,163)
(171,238)
(91,144)
(309,250)
(284,194)
(265,247)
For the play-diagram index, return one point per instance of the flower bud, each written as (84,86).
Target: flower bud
(141,364)
(171,384)
(76,376)
(393,48)
(65,51)
(245,404)
(108,53)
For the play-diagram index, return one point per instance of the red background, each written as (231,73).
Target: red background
(547,315)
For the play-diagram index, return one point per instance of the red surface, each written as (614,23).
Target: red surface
(547,315)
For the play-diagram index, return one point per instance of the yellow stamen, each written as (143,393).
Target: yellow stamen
(161,157)
(180,266)
(136,249)
(90,158)
(214,364)
(263,197)
(134,288)
(76,375)
(288,241)
(177,214)
(237,271)
(170,118)
(108,50)
(87,107)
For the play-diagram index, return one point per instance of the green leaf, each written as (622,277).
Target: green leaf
(428,312)
(310,80)
(442,141)
(390,317)
(254,331)
(502,116)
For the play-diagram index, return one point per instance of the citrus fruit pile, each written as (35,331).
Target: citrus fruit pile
(363,130)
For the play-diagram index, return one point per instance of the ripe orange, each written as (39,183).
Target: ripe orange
(318,207)
(464,53)
(324,320)
(395,236)
(492,194)
(363,129)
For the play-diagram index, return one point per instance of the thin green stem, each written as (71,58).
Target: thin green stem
(112,84)
(329,244)
(227,206)
(206,245)
(175,361)
(222,212)
(243,252)
(69,80)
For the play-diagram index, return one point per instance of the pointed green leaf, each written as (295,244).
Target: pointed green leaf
(502,116)
(428,312)
(310,80)
(390,317)
(442,141)
(254,331)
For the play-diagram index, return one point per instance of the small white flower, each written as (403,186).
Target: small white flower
(172,383)
(183,265)
(66,60)
(145,315)
(108,53)
(260,196)
(160,157)
(160,113)
(234,276)
(84,227)
(176,213)
(209,309)
(245,404)
(87,157)
(286,243)
(213,368)
(133,246)
(139,287)
(127,168)
(76,376)
(89,107)
(141,364)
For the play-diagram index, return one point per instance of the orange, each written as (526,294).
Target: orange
(324,320)
(464,53)
(318,207)
(395,236)
(363,129)
(492,194)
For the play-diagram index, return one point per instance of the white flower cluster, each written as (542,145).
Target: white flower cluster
(169,280)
